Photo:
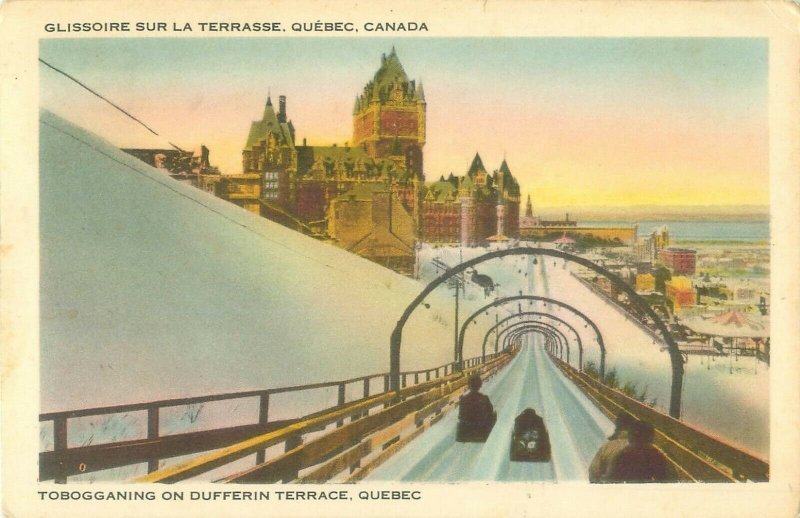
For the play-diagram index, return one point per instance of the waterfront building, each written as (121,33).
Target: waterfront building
(647,247)
(681,261)
(529,220)
(533,227)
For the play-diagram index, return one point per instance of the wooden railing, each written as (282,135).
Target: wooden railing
(375,426)
(64,461)
(697,456)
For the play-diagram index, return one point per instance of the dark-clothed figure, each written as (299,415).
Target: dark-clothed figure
(640,461)
(600,468)
(476,416)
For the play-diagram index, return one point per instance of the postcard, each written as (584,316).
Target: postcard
(399,259)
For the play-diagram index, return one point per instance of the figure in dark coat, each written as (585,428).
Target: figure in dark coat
(640,461)
(476,416)
(603,461)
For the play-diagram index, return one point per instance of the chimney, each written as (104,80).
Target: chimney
(282,109)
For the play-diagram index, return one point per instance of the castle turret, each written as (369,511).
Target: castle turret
(390,107)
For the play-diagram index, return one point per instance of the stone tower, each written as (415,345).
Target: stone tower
(389,116)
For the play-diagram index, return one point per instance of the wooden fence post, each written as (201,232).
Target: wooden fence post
(60,442)
(340,403)
(152,433)
(263,419)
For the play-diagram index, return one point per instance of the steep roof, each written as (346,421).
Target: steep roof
(389,77)
(504,168)
(269,124)
(390,72)
(477,165)
(443,191)
(307,156)
(335,152)
(420,93)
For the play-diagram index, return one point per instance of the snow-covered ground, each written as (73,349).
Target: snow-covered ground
(151,289)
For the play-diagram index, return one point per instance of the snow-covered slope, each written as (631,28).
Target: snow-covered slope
(152,289)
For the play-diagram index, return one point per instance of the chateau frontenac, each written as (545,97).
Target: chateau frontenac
(369,195)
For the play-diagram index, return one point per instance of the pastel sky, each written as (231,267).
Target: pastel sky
(581,121)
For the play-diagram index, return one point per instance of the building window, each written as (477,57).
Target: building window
(270,188)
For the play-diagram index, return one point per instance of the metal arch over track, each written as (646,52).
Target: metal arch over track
(539,314)
(553,337)
(515,332)
(561,337)
(513,335)
(396,339)
(546,300)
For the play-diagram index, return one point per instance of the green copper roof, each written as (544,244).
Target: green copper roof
(307,156)
(336,152)
(504,168)
(390,76)
(477,165)
(391,72)
(253,136)
(443,189)
(268,124)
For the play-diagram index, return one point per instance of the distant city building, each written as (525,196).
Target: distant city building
(645,282)
(566,222)
(647,248)
(679,290)
(529,220)
(681,261)
(534,227)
